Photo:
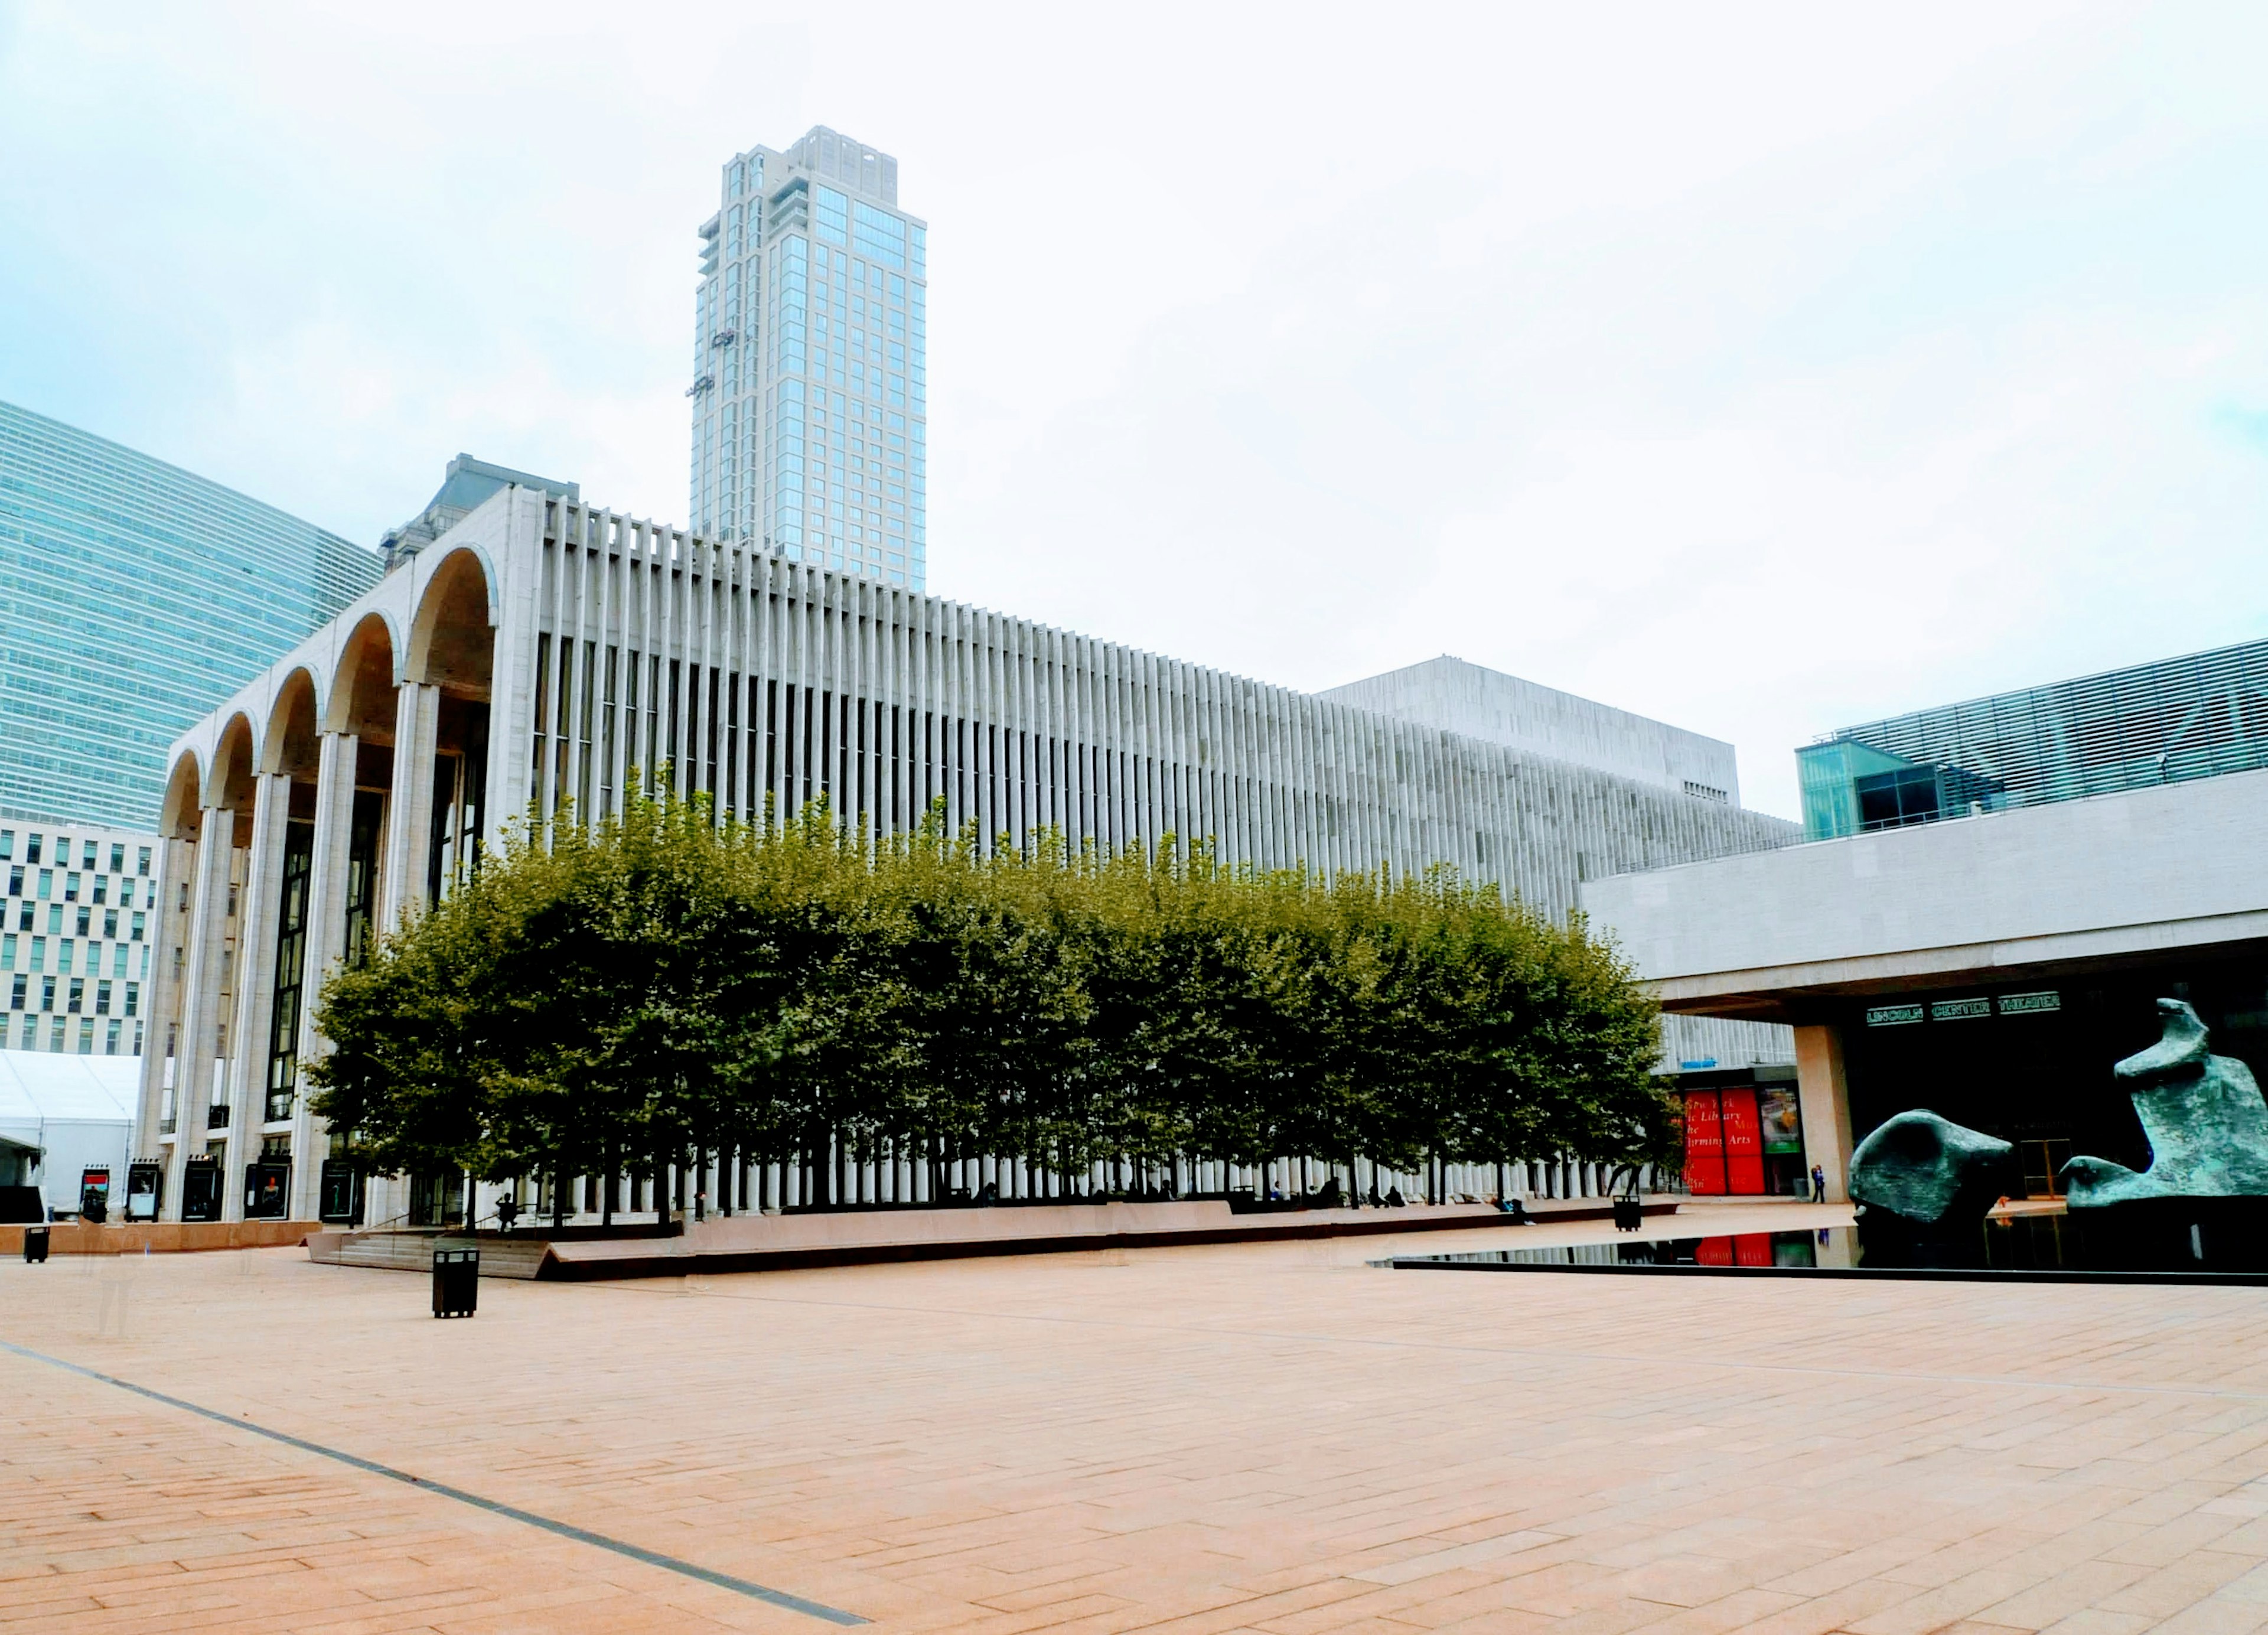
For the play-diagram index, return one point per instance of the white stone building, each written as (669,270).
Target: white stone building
(540,652)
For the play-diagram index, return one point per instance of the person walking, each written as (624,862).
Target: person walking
(1818,1184)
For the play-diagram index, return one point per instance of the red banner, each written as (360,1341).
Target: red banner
(1744,1138)
(1705,1142)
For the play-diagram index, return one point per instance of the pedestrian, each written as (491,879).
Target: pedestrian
(1818,1184)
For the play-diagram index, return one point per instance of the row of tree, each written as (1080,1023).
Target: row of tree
(622,999)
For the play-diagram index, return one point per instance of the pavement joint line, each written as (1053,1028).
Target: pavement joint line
(564,1529)
(1888,1376)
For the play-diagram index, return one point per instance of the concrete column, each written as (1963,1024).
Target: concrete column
(200,1012)
(1825,1098)
(158,994)
(326,936)
(166,927)
(409,819)
(255,982)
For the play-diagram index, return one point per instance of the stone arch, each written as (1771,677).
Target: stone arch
(293,745)
(452,653)
(181,813)
(234,767)
(362,689)
(453,638)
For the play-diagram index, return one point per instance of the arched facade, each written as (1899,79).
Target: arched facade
(301,822)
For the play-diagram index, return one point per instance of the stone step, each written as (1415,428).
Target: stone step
(522,1258)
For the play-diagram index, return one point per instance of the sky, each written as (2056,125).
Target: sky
(1764,369)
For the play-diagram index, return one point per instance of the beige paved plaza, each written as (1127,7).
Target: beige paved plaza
(1204,1441)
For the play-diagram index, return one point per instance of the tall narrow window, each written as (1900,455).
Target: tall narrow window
(290,969)
(364,837)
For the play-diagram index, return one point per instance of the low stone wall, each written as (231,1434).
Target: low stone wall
(163,1237)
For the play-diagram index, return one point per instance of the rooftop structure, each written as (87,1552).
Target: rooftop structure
(1459,696)
(464,486)
(2198,716)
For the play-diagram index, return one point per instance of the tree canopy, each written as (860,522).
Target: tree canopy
(616,997)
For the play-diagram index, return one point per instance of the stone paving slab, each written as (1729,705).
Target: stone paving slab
(1200,1441)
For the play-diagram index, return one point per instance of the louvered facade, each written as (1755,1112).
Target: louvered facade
(2198,716)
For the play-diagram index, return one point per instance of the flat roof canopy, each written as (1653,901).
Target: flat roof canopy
(2117,882)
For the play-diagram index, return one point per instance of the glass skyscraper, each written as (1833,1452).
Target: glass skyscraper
(810,386)
(133,597)
(2197,716)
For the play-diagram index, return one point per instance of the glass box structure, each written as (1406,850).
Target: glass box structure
(810,380)
(134,596)
(2198,716)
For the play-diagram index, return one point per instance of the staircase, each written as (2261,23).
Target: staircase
(522,1258)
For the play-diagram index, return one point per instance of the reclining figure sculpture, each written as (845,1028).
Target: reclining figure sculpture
(1928,1169)
(2206,1125)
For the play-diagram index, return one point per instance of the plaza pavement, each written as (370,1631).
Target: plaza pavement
(1205,1441)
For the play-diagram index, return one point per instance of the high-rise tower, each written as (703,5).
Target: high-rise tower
(810,388)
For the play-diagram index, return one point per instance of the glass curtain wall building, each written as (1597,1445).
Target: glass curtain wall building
(2198,716)
(133,597)
(810,380)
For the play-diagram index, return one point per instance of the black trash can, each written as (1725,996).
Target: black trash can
(35,1244)
(1629,1214)
(456,1282)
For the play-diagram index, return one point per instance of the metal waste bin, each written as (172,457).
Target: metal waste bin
(35,1244)
(456,1282)
(1629,1214)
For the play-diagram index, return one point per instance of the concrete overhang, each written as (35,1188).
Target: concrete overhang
(2050,892)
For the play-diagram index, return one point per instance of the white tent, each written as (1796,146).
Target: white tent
(78,1110)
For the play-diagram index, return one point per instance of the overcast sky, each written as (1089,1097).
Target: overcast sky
(1762,369)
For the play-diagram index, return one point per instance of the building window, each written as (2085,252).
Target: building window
(47,993)
(138,925)
(110,1037)
(102,998)
(86,854)
(16,880)
(7,844)
(134,1001)
(8,952)
(102,889)
(85,921)
(86,1035)
(76,1000)
(142,865)
(117,858)
(16,993)
(70,888)
(38,954)
(32,849)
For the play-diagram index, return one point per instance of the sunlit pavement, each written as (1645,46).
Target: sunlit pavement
(1258,1437)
